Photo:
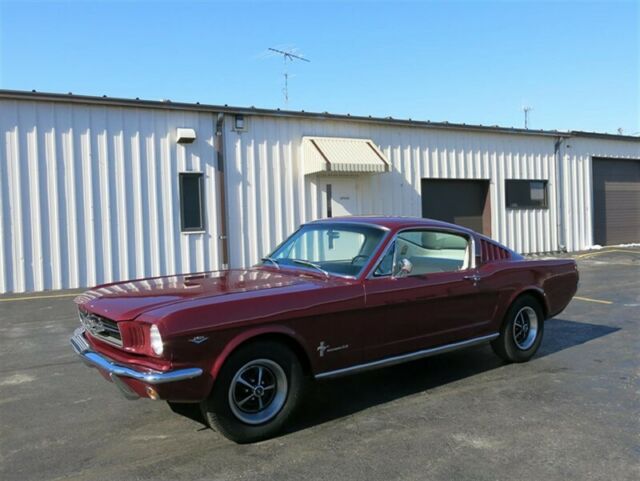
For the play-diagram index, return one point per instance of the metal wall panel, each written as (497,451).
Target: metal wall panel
(89,194)
(577,173)
(268,155)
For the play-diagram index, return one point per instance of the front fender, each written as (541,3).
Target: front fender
(248,335)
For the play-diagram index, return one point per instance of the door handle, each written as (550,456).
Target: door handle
(475,278)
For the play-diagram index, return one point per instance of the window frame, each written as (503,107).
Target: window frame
(392,242)
(528,206)
(362,271)
(201,204)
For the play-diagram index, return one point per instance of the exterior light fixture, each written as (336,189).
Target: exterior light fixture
(239,122)
(185,136)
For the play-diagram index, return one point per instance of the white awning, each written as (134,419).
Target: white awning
(337,155)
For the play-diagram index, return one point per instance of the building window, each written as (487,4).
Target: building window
(191,202)
(526,194)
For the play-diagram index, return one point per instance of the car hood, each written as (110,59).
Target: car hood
(127,300)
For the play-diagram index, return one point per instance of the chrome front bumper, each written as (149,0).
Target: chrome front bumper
(114,370)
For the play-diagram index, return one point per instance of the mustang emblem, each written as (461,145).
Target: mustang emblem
(92,324)
(324,347)
(198,339)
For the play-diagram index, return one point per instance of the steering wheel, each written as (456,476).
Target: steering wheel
(353,261)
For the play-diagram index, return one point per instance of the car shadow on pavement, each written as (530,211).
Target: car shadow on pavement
(560,334)
(332,399)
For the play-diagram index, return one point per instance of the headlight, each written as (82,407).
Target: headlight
(156,340)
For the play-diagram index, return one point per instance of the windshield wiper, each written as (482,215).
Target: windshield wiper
(272,260)
(311,264)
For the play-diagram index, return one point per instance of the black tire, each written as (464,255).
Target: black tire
(512,345)
(222,410)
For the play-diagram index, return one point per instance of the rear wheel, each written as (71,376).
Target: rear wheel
(521,331)
(256,391)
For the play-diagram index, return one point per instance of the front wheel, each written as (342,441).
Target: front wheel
(521,331)
(257,390)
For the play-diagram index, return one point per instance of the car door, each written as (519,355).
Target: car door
(439,301)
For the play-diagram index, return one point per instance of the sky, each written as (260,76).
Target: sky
(576,64)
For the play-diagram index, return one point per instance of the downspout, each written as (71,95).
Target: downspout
(222,192)
(560,220)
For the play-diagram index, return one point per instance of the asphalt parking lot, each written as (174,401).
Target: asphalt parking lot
(573,412)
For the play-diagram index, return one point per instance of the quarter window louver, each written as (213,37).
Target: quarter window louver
(492,252)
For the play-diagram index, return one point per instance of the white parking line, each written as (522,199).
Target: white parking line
(588,299)
(31,298)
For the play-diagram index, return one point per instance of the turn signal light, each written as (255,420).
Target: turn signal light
(152,393)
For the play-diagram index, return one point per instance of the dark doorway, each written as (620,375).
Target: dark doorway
(616,201)
(462,202)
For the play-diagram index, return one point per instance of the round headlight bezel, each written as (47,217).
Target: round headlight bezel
(155,340)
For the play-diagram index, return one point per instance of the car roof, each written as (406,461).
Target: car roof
(392,222)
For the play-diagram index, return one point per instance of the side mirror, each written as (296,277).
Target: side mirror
(403,268)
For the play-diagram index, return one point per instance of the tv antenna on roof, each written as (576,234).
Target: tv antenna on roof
(526,111)
(287,56)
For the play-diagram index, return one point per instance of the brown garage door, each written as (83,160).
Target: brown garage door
(462,202)
(616,201)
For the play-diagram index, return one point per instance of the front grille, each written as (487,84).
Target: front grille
(101,328)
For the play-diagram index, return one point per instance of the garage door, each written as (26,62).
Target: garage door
(616,201)
(462,202)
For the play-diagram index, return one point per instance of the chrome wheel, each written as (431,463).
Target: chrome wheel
(525,328)
(258,391)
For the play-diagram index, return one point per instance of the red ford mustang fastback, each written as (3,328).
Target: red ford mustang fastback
(338,297)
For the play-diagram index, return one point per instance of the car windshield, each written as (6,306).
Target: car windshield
(342,249)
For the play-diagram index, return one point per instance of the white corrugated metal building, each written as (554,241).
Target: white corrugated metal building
(97,189)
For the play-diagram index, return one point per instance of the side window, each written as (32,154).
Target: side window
(428,251)
(432,251)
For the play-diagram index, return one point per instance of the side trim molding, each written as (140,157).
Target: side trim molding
(412,356)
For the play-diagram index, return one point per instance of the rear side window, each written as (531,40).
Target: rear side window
(191,202)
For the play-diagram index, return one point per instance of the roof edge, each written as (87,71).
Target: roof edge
(602,135)
(227,109)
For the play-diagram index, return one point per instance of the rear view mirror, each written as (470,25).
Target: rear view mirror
(402,268)
(332,235)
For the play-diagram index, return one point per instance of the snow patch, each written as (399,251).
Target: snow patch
(597,247)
